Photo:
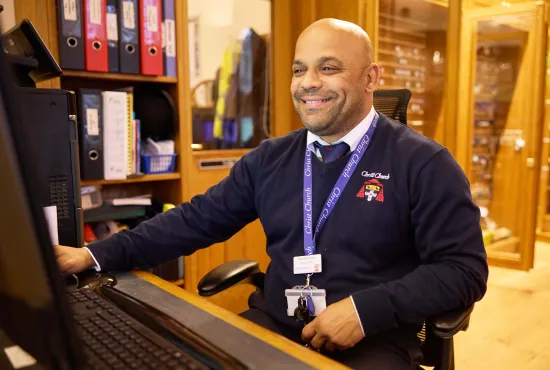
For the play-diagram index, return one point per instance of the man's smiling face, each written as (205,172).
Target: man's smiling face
(329,80)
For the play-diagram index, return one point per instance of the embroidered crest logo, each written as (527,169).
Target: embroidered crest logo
(372,189)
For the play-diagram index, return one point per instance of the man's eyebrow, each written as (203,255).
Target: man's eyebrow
(329,59)
(320,60)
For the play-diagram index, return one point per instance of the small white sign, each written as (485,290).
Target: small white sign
(308,264)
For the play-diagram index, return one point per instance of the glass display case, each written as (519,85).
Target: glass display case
(504,104)
(412,46)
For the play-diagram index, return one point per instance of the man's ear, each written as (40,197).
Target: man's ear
(373,76)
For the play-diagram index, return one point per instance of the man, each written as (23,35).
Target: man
(386,211)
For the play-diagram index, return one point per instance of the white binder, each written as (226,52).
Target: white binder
(115,134)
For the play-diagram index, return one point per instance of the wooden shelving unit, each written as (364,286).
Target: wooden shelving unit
(188,180)
(166,187)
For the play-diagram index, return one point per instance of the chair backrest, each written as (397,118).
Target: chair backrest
(393,103)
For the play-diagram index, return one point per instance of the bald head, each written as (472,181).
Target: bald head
(333,77)
(350,34)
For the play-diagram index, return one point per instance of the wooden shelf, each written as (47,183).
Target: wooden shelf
(508,245)
(395,87)
(146,178)
(402,30)
(393,53)
(118,77)
(402,66)
(221,152)
(390,40)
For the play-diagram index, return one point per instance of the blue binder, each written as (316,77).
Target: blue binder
(112,35)
(90,130)
(128,36)
(169,37)
(70,31)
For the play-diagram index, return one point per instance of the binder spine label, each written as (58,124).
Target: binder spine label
(129,15)
(69,10)
(152,19)
(92,120)
(112,27)
(170,32)
(95,11)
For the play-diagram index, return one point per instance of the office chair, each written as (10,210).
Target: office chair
(393,103)
(436,336)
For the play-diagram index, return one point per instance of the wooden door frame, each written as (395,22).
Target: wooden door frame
(544,184)
(465,113)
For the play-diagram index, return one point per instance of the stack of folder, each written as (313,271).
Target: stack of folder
(109,135)
(126,36)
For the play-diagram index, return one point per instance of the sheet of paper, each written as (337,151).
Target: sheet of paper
(51,219)
(18,357)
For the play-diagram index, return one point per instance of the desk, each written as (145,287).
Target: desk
(254,342)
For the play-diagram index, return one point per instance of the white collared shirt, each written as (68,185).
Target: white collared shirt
(352,138)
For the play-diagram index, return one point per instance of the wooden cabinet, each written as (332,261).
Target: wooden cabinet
(500,125)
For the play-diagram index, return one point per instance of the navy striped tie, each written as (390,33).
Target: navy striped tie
(332,152)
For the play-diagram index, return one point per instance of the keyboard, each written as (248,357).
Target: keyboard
(114,340)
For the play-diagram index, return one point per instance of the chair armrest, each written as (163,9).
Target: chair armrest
(448,324)
(229,274)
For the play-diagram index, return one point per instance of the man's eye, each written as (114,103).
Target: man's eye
(298,71)
(328,69)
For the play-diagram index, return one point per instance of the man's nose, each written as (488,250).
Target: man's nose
(311,80)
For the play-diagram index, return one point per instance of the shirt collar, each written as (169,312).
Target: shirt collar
(352,138)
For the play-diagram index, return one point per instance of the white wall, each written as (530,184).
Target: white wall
(221,21)
(7,17)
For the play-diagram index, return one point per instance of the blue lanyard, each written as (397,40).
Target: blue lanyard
(337,190)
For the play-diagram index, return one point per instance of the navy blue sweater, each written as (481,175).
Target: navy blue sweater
(409,249)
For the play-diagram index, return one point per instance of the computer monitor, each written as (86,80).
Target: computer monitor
(34,313)
(33,61)
(50,128)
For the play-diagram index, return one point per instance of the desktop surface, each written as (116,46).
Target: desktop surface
(254,346)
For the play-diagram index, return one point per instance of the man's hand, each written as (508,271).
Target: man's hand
(73,260)
(337,327)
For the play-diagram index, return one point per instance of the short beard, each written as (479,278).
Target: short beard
(329,129)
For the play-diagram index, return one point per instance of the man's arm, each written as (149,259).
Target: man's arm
(448,237)
(207,219)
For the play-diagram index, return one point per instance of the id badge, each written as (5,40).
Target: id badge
(308,264)
(318,296)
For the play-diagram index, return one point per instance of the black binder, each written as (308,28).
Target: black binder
(70,31)
(90,132)
(112,35)
(128,36)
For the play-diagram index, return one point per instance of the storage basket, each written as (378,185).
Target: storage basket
(158,163)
